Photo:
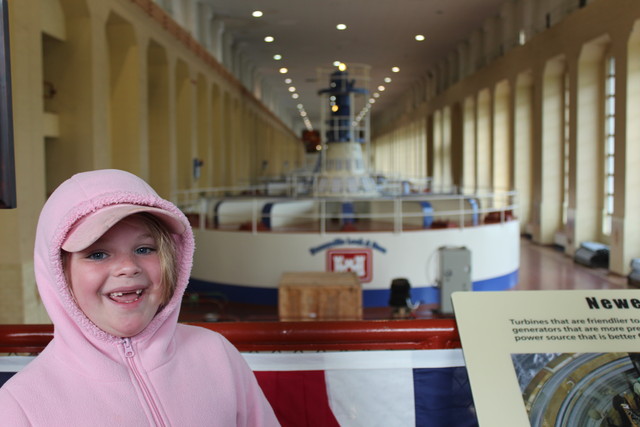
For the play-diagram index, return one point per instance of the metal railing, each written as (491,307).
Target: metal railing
(254,209)
(287,336)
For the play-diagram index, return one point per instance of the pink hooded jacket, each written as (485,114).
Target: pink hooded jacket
(170,375)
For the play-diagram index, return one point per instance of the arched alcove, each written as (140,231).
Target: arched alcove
(502,137)
(446,151)
(184,125)
(217,152)
(437,144)
(483,139)
(551,164)
(124,90)
(523,147)
(269,149)
(457,148)
(203,127)
(243,145)
(159,147)
(417,152)
(68,130)
(227,139)
(590,135)
(239,143)
(253,139)
(469,145)
(265,148)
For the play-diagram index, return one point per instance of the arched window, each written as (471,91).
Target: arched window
(566,151)
(609,143)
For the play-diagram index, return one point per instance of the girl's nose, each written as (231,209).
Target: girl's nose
(127,266)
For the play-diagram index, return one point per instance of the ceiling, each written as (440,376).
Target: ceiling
(379,33)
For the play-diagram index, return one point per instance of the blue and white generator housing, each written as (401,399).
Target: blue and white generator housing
(337,217)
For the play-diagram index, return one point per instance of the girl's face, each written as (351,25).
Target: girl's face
(117,281)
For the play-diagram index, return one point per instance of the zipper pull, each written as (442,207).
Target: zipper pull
(128,348)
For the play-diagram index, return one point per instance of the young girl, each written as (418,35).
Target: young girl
(112,261)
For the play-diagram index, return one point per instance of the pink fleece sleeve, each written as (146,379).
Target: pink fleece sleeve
(11,411)
(257,411)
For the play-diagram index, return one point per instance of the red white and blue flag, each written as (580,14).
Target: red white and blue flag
(367,388)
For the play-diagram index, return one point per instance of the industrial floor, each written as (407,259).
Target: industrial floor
(541,268)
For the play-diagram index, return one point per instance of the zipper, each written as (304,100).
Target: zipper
(129,354)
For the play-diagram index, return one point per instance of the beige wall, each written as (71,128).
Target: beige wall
(128,94)
(512,131)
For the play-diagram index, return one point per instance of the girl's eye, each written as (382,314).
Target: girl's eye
(145,250)
(97,256)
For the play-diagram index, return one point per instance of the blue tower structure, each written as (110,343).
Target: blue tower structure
(339,91)
(342,169)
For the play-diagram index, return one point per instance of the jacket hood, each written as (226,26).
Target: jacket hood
(80,195)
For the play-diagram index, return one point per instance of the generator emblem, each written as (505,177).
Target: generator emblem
(359,261)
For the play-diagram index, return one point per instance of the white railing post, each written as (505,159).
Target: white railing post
(254,216)
(323,214)
(202,218)
(397,215)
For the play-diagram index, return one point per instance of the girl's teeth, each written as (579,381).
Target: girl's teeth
(120,294)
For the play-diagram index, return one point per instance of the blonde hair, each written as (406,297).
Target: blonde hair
(167,253)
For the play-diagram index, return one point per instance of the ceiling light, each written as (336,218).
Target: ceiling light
(387,79)
(376,95)
(395,69)
(269,39)
(381,88)
(292,89)
(336,63)
(342,66)
(372,101)
(256,13)
(295,96)
(341,27)
(287,81)
(419,37)
(277,57)
(299,106)
(283,70)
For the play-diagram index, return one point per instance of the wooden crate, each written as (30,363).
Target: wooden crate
(319,296)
